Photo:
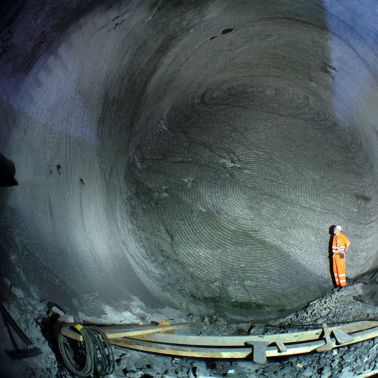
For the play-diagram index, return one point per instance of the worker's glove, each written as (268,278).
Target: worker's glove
(342,255)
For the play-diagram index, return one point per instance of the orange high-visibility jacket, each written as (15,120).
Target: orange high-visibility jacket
(340,243)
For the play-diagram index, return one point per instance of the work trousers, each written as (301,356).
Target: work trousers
(339,269)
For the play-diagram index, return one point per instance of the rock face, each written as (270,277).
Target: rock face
(188,153)
(7,172)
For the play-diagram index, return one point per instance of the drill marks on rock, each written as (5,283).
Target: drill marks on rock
(188,181)
(266,165)
(363,197)
(329,69)
(226,31)
(51,215)
(223,32)
(208,201)
(210,233)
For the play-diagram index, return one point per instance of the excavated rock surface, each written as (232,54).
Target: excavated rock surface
(188,153)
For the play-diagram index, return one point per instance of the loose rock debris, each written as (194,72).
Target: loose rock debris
(337,306)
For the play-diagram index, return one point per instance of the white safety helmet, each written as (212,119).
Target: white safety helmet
(338,228)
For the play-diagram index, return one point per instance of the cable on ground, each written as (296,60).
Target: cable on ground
(91,357)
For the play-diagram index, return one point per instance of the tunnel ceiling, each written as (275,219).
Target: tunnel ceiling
(188,153)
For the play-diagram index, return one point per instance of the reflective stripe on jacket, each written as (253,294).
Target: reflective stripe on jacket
(339,243)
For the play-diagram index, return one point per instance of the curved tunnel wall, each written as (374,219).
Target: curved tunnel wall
(192,153)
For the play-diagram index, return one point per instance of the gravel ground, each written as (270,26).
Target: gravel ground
(337,306)
(344,362)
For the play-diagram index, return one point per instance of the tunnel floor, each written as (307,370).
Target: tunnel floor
(337,306)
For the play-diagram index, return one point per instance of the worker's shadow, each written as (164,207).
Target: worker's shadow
(330,254)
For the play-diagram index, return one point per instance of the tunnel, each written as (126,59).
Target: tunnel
(189,155)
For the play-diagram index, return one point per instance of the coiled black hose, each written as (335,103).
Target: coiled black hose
(91,357)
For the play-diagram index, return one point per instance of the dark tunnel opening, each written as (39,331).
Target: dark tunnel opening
(186,155)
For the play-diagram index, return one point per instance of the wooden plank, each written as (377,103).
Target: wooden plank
(231,340)
(297,348)
(237,352)
(356,326)
(226,341)
(210,352)
(341,336)
(182,351)
(301,348)
(113,332)
(233,353)
(366,374)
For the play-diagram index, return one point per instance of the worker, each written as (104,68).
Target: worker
(340,245)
